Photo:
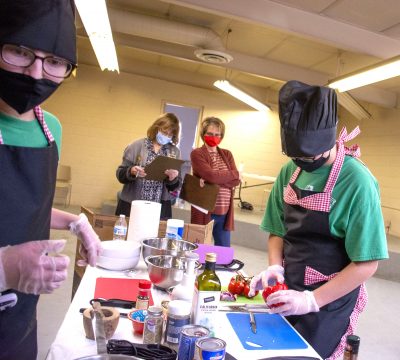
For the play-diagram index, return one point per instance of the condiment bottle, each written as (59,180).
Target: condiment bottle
(153,325)
(206,295)
(352,346)
(184,290)
(178,316)
(142,301)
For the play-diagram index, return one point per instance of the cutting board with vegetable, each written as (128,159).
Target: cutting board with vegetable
(273,332)
(239,285)
(241,299)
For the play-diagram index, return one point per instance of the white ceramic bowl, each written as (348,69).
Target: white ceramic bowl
(112,263)
(120,249)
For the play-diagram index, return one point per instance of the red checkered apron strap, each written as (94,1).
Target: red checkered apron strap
(39,115)
(313,276)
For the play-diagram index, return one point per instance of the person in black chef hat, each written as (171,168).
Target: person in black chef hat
(37,44)
(325,222)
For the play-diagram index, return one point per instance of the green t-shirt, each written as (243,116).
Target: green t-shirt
(355,215)
(29,133)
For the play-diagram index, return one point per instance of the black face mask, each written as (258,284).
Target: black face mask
(311,166)
(23,92)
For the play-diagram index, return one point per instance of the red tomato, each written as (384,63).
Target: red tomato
(271,289)
(246,291)
(236,285)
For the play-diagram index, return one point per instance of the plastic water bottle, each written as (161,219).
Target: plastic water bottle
(120,228)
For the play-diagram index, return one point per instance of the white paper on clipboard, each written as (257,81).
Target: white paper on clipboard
(205,211)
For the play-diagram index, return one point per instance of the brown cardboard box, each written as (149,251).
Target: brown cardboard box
(104,226)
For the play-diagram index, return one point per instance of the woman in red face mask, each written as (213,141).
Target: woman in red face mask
(216,166)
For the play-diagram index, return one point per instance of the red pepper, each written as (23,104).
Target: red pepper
(273,288)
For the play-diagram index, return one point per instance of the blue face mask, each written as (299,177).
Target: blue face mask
(163,139)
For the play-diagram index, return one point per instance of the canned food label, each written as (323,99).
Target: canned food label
(174,327)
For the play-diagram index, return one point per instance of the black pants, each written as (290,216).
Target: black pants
(124,208)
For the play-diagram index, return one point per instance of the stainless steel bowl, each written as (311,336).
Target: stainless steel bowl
(166,246)
(166,271)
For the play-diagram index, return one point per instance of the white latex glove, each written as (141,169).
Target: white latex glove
(273,274)
(172,174)
(293,302)
(90,243)
(28,269)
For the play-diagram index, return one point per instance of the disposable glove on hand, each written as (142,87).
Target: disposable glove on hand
(90,243)
(293,302)
(273,273)
(28,269)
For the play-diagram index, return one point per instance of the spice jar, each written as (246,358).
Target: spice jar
(153,325)
(178,316)
(351,349)
(142,300)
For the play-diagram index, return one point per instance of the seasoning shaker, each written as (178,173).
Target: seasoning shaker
(142,300)
(178,316)
(153,325)
(352,346)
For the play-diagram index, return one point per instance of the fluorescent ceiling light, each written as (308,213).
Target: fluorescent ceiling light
(353,106)
(226,86)
(97,25)
(378,72)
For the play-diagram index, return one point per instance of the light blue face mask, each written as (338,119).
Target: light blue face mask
(163,139)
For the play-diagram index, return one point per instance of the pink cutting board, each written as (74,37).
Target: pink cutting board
(116,288)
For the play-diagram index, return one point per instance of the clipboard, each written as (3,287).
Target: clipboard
(156,169)
(204,197)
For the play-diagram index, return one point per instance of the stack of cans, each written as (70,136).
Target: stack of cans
(195,344)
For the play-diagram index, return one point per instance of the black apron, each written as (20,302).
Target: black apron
(27,185)
(308,242)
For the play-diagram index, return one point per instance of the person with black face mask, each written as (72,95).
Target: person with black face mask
(37,52)
(325,222)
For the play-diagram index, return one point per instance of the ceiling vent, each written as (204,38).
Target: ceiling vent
(213,56)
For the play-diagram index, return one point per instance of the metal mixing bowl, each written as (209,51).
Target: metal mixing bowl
(166,246)
(166,271)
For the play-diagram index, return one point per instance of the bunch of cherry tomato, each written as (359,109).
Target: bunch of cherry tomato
(240,285)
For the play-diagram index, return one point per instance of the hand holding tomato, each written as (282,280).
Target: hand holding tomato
(273,288)
(246,291)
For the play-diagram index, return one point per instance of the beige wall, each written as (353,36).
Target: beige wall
(102,112)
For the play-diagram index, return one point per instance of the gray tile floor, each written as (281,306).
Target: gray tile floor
(378,326)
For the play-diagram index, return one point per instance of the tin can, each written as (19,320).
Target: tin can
(187,341)
(210,349)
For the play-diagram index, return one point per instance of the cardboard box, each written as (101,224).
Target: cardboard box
(104,226)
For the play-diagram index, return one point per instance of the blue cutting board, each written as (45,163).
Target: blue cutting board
(273,332)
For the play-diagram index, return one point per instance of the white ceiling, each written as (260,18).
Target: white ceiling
(271,41)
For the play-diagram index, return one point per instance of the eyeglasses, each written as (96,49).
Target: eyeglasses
(23,57)
(305,159)
(213,134)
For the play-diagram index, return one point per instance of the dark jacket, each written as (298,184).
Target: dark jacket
(201,164)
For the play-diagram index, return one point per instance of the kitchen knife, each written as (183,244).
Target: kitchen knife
(255,308)
(253,322)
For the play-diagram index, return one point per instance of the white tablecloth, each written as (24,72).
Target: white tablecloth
(71,343)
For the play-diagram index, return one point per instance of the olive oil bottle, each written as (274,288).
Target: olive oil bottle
(206,295)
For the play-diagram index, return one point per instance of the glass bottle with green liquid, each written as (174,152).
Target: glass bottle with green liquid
(206,295)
